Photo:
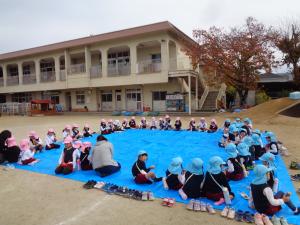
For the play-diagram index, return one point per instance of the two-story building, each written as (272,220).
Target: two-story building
(136,69)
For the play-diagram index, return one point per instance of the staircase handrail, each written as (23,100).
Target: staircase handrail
(221,93)
(203,97)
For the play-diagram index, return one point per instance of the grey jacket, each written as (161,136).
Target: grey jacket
(102,155)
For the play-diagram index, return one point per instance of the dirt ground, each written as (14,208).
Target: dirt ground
(34,199)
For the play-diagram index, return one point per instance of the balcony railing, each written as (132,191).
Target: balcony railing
(48,76)
(62,75)
(149,66)
(29,78)
(12,80)
(96,71)
(180,63)
(1,81)
(76,69)
(118,69)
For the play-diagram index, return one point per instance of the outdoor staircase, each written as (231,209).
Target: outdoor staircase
(210,101)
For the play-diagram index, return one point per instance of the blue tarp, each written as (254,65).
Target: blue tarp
(162,146)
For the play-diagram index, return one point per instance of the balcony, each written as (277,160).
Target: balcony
(29,78)
(96,71)
(149,66)
(48,76)
(12,80)
(77,69)
(1,81)
(62,75)
(118,69)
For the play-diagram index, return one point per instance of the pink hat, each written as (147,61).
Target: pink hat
(87,144)
(167,116)
(68,127)
(75,125)
(160,118)
(143,118)
(24,144)
(177,118)
(68,140)
(202,119)
(125,119)
(77,144)
(87,125)
(33,134)
(110,120)
(153,118)
(213,121)
(192,119)
(103,121)
(133,118)
(51,130)
(11,141)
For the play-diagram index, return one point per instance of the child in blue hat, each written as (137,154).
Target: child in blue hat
(257,144)
(233,134)
(264,200)
(235,169)
(174,175)
(215,180)
(244,156)
(142,174)
(272,145)
(268,159)
(193,180)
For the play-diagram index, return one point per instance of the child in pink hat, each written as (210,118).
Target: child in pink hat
(132,122)
(75,132)
(167,125)
(213,126)
(67,131)
(50,140)
(103,127)
(203,127)
(110,126)
(153,124)
(85,163)
(26,153)
(67,159)
(125,124)
(192,125)
(177,124)
(35,141)
(13,151)
(87,132)
(143,123)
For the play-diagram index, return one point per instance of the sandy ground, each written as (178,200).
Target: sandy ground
(29,198)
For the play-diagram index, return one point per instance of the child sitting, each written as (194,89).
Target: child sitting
(142,174)
(247,125)
(117,126)
(272,145)
(192,125)
(36,142)
(249,141)
(110,126)
(85,163)
(132,123)
(13,151)
(67,159)
(75,132)
(153,124)
(216,181)
(235,170)
(167,125)
(233,134)
(50,140)
(213,127)
(87,132)
(192,187)
(203,127)
(257,145)
(143,123)
(244,156)
(268,159)
(125,124)
(242,134)
(177,124)
(67,131)
(161,124)
(224,139)
(26,153)
(174,178)
(226,124)
(103,127)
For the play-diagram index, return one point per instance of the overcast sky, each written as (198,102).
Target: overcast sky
(29,23)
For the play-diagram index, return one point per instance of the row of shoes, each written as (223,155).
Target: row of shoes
(199,206)
(120,190)
(261,219)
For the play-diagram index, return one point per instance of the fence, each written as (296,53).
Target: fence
(15,108)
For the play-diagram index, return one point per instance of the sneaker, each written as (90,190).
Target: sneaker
(294,165)
(197,206)
(190,205)
(144,196)
(171,202)
(239,215)
(266,220)
(99,185)
(165,202)
(283,221)
(231,214)
(203,207)
(258,219)
(225,211)
(297,212)
(151,196)
(210,209)
(295,177)
(275,220)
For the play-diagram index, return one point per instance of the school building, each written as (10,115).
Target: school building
(138,69)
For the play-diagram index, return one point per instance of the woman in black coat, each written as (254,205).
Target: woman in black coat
(4,135)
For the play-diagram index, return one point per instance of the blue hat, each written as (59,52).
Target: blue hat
(270,159)
(243,149)
(196,166)
(248,140)
(231,150)
(227,121)
(256,139)
(175,166)
(214,165)
(237,119)
(257,131)
(260,176)
(142,152)
(243,130)
(232,128)
(247,120)
(272,136)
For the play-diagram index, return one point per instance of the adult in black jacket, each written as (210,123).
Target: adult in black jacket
(4,135)
(13,151)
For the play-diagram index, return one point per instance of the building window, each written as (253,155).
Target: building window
(156,58)
(80,98)
(13,71)
(55,99)
(107,97)
(26,70)
(1,72)
(21,97)
(159,95)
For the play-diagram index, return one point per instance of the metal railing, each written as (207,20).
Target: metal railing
(221,94)
(15,108)
(76,69)
(62,75)
(48,76)
(96,71)
(1,81)
(180,63)
(12,80)
(118,69)
(29,78)
(148,66)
